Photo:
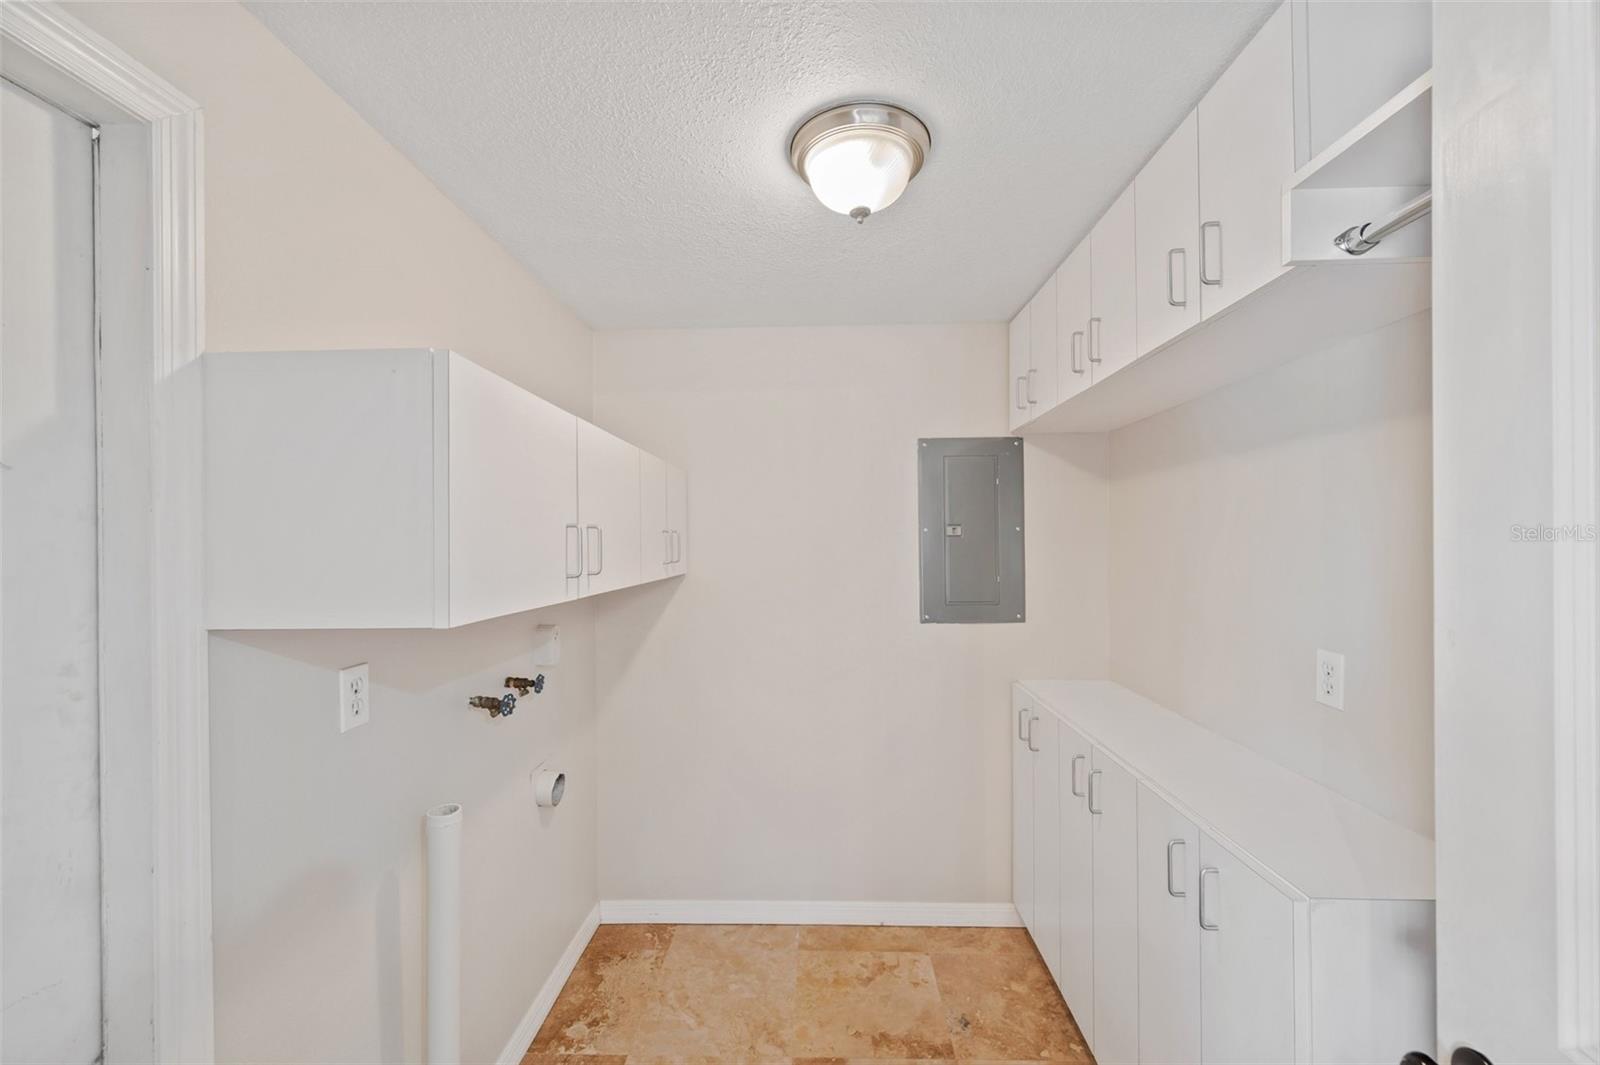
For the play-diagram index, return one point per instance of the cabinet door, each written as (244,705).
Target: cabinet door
(655,535)
(1076,978)
(608,510)
(1246,137)
(513,496)
(1246,963)
(1042,388)
(1167,212)
(1022,767)
(1169,933)
(1047,840)
(1072,320)
(1113,800)
(1113,333)
(1018,338)
(678,519)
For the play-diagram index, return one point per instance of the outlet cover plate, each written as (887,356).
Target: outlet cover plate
(355,697)
(1330,679)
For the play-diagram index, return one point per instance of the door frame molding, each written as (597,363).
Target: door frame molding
(1575,424)
(155,746)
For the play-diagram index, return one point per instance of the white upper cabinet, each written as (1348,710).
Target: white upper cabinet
(1072,321)
(608,510)
(1113,330)
(1246,154)
(677,520)
(1018,338)
(1219,210)
(1042,387)
(1167,203)
(512,496)
(1332,94)
(406,488)
(655,534)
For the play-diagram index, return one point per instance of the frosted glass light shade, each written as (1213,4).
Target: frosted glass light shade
(859,169)
(859,158)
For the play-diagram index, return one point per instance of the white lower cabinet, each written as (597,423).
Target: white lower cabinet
(1247,977)
(1185,895)
(1076,975)
(1169,933)
(1022,766)
(1047,840)
(1113,802)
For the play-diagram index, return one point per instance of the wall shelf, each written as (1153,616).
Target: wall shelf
(1383,162)
(1305,309)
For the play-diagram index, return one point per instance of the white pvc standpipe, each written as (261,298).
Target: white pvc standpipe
(444,934)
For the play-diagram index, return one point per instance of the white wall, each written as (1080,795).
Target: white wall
(779,725)
(320,235)
(1284,514)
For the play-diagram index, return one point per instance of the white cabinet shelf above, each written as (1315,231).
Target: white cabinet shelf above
(1305,309)
(1379,165)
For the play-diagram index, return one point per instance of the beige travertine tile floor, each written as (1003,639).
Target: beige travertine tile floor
(803,994)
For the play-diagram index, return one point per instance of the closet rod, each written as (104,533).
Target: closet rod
(1358,240)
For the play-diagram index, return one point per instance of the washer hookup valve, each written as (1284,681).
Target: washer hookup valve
(497,705)
(524,685)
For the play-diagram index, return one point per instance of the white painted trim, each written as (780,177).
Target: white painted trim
(517,1046)
(83,71)
(1575,427)
(760,911)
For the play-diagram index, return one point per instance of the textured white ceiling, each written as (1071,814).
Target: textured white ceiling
(633,155)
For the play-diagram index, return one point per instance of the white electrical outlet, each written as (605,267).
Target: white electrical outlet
(1330,679)
(355,702)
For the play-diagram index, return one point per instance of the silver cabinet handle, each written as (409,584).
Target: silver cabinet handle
(1094,340)
(578,543)
(677,547)
(1031,400)
(1021,735)
(1075,760)
(1172,299)
(1094,792)
(1031,747)
(1022,404)
(1174,892)
(1204,279)
(600,544)
(1077,349)
(587,529)
(666,547)
(1205,872)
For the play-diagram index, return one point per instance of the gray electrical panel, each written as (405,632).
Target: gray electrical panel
(970,510)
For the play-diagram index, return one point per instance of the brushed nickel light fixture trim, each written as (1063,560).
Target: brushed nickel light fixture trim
(859,157)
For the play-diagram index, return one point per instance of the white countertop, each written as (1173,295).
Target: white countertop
(1290,828)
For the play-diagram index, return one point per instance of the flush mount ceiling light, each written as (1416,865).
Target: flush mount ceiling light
(859,158)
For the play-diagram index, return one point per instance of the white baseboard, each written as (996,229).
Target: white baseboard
(757,911)
(546,998)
